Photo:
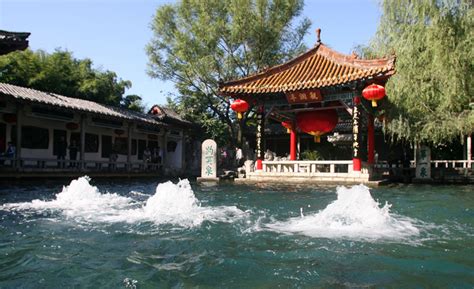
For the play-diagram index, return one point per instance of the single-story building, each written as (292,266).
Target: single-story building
(51,133)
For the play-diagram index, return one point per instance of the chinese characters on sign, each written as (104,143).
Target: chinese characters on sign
(304,96)
(355,132)
(209,159)
(423,162)
(260,127)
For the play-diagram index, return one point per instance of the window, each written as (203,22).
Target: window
(134,147)
(121,145)
(141,148)
(153,145)
(92,143)
(32,137)
(171,146)
(106,146)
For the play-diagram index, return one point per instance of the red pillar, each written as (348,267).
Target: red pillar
(292,145)
(370,139)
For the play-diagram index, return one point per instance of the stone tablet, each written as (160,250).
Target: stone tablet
(423,163)
(209,159)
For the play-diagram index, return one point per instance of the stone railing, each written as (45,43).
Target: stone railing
(45,165)
(308,168)
(318,171)
(455,164)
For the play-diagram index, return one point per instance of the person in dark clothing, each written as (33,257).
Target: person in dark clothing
(9,153)
(73,149)
(62,148)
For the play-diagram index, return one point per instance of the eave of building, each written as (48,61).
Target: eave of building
(23,94)
(318,68)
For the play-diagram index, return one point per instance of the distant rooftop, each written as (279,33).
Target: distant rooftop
(11,41)
(165,114)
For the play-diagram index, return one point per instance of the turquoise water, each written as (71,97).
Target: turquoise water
(135,235)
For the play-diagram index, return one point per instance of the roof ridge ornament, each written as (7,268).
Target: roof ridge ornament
(318,36)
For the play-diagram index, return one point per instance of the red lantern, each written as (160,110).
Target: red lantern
(317,123)
(155,110)
(72,125)
(287,125)
(119,131)
(374,92)
(9,117)
(239,106)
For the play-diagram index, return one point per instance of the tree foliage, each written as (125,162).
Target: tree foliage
(197,43)
(133,102)
(61,73)
(432,90)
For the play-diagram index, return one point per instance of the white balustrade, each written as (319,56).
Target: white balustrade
(307,168)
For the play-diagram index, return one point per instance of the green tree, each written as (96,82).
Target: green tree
(197,43)
(432,90)
(61,73)
(133,102)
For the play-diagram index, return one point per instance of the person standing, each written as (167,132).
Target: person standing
(147,155)
(113,156)
(238,156)
(62,148)
(9,153)
(73,149)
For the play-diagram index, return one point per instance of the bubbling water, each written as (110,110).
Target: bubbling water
(173,204)
(353,215)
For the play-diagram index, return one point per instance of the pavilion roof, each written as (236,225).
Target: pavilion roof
(11,41)
(317,68)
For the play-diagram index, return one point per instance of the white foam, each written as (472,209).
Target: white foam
(177,204)
(353,215)
(171,204)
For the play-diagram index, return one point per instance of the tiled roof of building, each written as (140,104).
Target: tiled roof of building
(162,113)
(11,41)
(75,104)
(317,68)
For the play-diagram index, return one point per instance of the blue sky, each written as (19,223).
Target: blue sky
(113,33)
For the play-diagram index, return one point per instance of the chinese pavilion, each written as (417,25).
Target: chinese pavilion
(313,93)
(12,41)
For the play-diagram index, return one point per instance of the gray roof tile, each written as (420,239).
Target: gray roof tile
(75,104)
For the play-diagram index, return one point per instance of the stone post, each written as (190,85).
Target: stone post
(423,163)
(469,151)
(208,161)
